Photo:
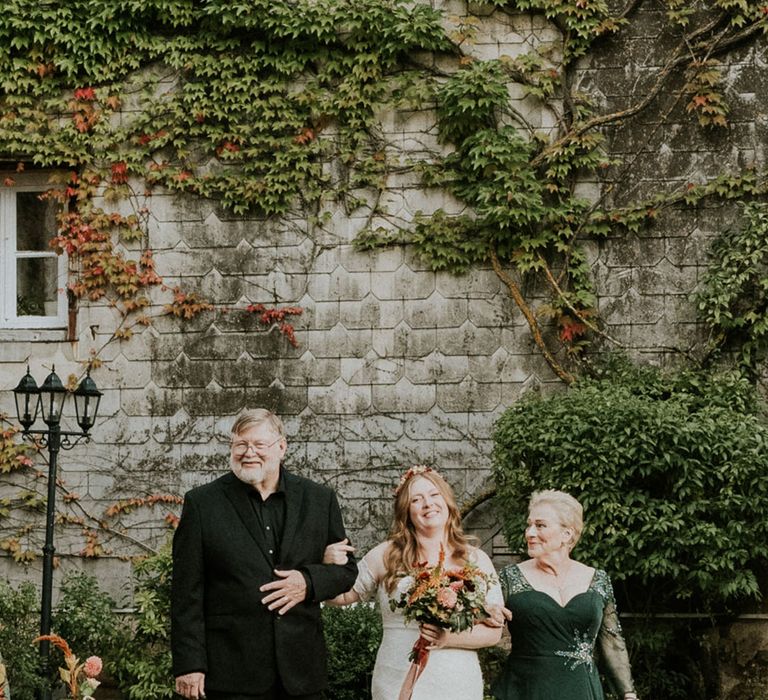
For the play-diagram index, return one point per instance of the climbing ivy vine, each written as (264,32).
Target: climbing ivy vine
(520,181)
(245,103)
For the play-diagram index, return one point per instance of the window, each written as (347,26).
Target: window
(33,275)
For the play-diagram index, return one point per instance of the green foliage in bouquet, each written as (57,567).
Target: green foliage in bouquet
(453,599)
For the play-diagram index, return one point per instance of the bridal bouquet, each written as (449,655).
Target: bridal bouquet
(453,599)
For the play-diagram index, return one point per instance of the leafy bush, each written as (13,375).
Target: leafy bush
(143,669)
(19,625)
(670,469)
(353,635)
(734,296)
(85,617)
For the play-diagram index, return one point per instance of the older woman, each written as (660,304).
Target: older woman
(561,611)
(426,521)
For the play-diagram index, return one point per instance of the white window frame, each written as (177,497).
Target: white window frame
(9,256)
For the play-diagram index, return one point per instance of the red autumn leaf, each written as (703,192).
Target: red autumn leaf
(87,94)
(144,139)
(119,173)
(572,330)
(304,137)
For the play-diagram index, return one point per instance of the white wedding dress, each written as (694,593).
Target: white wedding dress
(450,674)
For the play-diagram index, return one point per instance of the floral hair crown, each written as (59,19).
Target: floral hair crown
(415,470)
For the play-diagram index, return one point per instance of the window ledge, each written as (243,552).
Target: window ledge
(33,335)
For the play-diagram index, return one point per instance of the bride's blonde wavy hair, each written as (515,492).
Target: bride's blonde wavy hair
(403,552)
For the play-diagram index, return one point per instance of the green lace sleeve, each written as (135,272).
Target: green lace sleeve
(610,640)
(512,580)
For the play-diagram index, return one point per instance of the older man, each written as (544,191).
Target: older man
(248,575)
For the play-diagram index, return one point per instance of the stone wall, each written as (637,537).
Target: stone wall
(395,364)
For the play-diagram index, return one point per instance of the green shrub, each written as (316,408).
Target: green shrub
(491,663)
(671,471)
(353,635)
(143,670)
(19,625)
(85,617)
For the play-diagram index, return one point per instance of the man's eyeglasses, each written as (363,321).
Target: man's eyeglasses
(241,446)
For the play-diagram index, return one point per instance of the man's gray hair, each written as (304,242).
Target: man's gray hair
(252,417)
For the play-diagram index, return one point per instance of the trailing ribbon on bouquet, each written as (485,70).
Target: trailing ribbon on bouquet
(419,656)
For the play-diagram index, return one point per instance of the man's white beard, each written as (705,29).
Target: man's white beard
(253,477)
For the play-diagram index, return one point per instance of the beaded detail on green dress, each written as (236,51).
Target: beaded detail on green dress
(555,648)
(582,651)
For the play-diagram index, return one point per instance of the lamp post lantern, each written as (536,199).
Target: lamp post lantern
(48,400)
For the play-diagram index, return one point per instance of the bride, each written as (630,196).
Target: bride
(426,520)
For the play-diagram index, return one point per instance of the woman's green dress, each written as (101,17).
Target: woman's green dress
(553,645)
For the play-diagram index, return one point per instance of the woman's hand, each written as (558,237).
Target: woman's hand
(499,615)
(338,552)
(436,636)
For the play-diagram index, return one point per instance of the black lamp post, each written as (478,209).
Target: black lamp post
(48,400)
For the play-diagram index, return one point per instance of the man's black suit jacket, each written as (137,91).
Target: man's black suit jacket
(218,623)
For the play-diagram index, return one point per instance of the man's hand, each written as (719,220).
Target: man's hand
(338,552)
(191,685)
(287,591)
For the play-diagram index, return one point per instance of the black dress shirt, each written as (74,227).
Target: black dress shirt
(270,514)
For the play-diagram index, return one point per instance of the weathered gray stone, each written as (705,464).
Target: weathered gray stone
(371,370)
(339,284)
(355,343)
(641,309)
(182,372)
(339,398)
(182,428)
(413,343)
(468,339)
(372,427)
(468,395)
(437,368)
(449,426)
(404,283)
(436,312)
(360,314)
(327,456)
(403,396)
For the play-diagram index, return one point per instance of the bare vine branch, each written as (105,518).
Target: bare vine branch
(530,317)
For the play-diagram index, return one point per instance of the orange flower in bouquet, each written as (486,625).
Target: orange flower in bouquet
(78,677)
(453,599)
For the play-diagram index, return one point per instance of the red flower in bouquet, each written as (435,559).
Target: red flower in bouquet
(453,599)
